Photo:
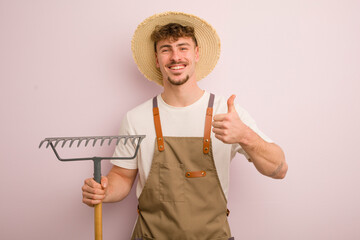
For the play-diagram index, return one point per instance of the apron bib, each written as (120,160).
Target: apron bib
(182,198)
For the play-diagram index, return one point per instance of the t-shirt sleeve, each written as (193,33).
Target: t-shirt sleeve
(125,149)
(250,122)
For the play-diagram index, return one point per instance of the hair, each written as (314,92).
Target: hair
(172,31)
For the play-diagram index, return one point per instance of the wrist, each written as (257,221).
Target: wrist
(247,137)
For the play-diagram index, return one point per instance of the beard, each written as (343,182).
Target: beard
(180,82)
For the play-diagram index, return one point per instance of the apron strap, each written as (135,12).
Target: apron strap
(207,129)
(159,136)
(208,120)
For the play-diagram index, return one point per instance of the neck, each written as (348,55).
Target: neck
(183,95)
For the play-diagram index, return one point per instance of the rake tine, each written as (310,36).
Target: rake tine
(102,141)
(95,139)
(126,139)
(118,140)
(140,140)
(41,143)
(72,141)
(57,141)
(80,140)
(87,141)
(65,140)
(110,140)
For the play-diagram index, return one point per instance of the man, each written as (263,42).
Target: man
(184,161)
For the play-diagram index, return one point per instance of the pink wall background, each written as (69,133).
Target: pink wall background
(66,70)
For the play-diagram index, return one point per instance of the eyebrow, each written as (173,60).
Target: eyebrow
(178,45)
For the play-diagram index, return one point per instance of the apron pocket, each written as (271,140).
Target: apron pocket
(172,181)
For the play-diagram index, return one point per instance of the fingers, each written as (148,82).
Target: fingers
(104,182)
(220,123)
(217,124)
(230,103)
(220,117)
(220,131)
(92,199)
(227,127)
(93,192)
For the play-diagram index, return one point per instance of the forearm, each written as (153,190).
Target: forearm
(268,158)
(120,184)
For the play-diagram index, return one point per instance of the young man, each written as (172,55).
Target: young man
(191,137)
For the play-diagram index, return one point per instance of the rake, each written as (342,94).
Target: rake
(54,142)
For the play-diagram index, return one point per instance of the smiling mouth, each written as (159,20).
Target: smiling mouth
(177,65)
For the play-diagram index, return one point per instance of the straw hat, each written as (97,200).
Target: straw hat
(143,47)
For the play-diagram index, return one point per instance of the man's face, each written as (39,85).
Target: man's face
(177,59)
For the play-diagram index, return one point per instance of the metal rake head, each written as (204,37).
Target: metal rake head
(53,142)
(63,140)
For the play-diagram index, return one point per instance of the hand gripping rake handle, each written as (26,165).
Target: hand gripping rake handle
(53,142)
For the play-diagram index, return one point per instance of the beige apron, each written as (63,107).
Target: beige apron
(182,198)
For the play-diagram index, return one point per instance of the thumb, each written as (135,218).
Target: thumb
(230,103)
(104,182)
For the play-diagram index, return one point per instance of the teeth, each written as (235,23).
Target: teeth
(177,67)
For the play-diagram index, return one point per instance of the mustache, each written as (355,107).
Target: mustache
(176,63)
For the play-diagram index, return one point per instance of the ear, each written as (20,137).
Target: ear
(157,61)
(197,54)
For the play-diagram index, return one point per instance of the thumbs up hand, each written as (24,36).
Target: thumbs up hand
(228,127)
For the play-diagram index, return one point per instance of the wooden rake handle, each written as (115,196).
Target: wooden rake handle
(98,221)
(98,207)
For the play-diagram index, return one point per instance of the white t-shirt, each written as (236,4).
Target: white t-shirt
(186,121)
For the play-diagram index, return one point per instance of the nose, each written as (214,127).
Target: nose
(175,56)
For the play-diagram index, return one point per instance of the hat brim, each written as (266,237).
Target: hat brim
(143,47)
